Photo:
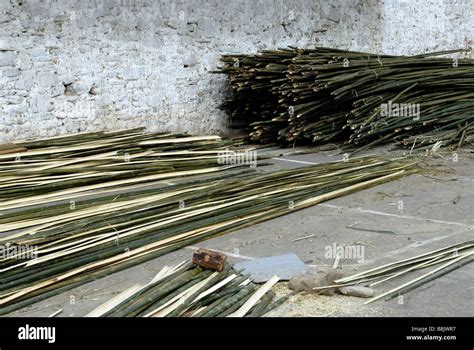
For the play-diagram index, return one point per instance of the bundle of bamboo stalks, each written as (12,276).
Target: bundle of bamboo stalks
(443,261)
(323,94)
(85,212)
(187,290)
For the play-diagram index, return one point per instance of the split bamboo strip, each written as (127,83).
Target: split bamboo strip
(245,308)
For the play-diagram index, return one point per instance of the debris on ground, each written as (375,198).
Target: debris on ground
(456,199)
(209,259)
(261,270)
(315,277)
(357,291)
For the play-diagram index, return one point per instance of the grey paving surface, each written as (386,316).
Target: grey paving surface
(417,214)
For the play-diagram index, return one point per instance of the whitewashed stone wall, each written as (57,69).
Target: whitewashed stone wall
(84,65)
(416,26)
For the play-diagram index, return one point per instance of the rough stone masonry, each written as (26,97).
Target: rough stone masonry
(71,66)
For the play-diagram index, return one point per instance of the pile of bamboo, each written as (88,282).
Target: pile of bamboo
(106,161)
(323,95)
(90,205)
(443,261)
(188,290)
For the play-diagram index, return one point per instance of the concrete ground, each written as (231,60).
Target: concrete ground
(419,213)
